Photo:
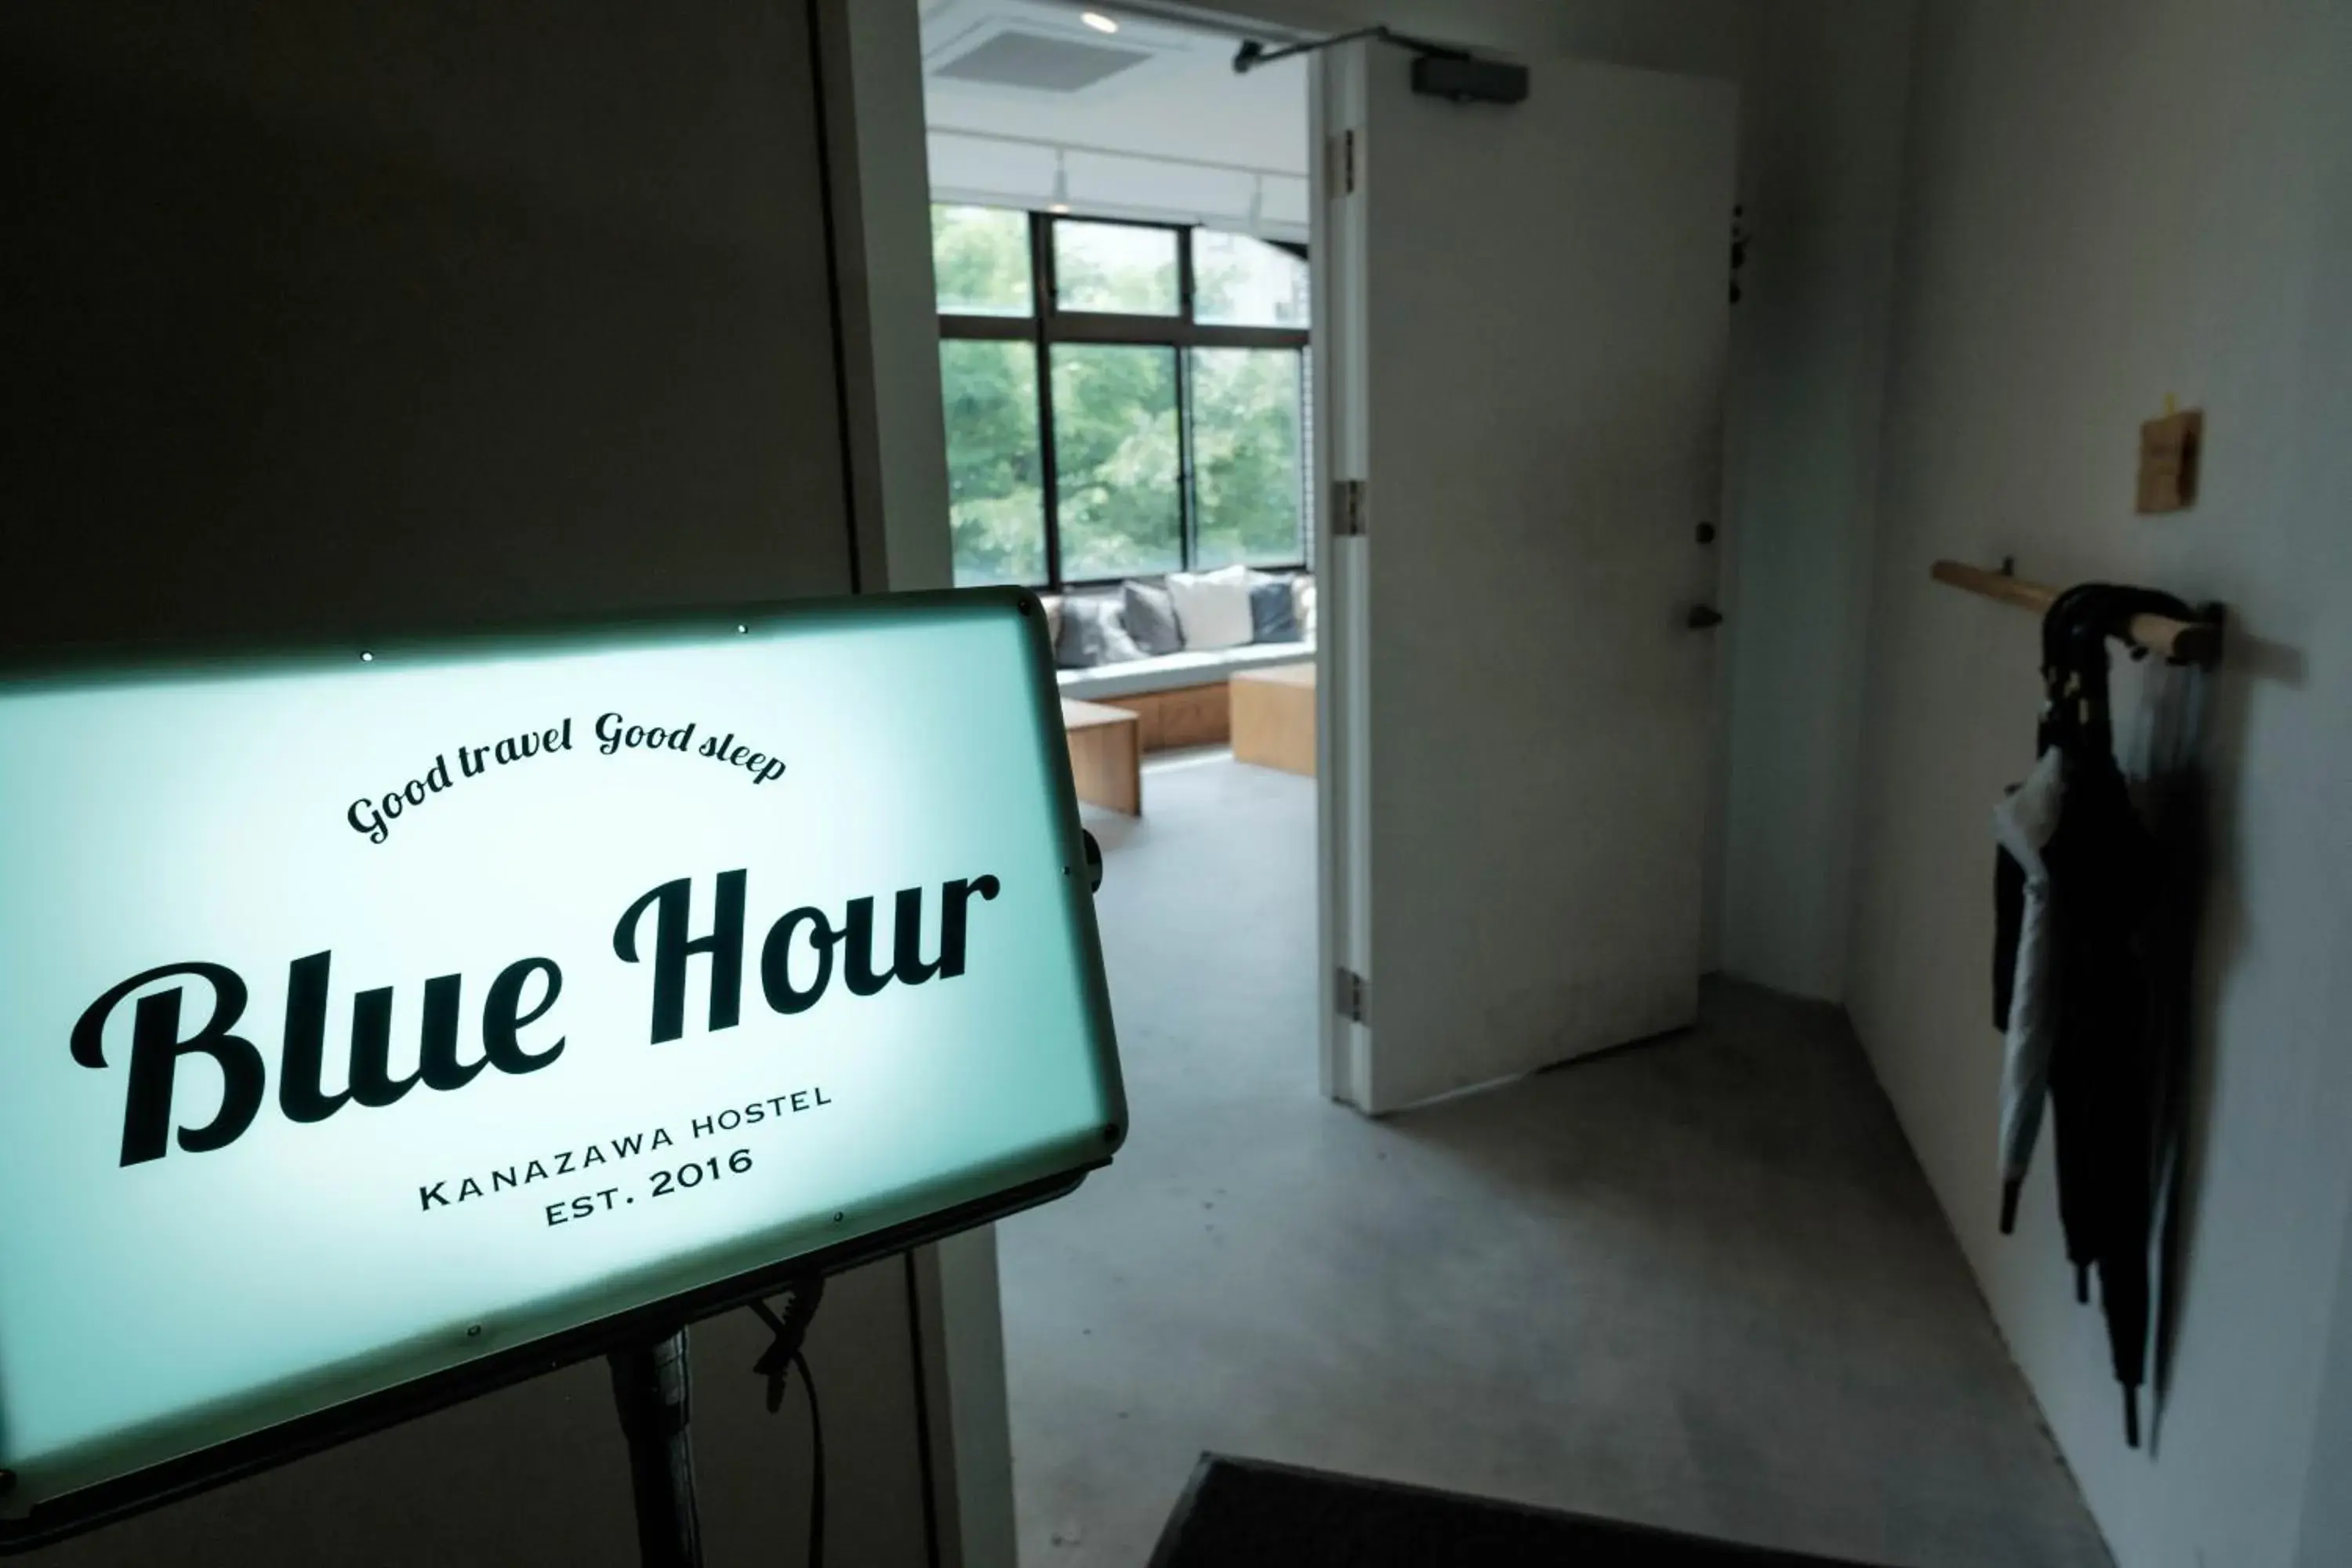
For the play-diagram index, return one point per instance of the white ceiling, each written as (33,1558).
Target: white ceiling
(1172,132)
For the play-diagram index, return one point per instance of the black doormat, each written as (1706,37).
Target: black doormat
(1244,1513)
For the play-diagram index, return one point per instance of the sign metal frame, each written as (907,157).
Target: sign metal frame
(70,1513)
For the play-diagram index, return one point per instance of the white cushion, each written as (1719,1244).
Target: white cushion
(1212,608)
(1302,604)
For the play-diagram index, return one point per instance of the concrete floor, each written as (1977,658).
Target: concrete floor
(1698,1283)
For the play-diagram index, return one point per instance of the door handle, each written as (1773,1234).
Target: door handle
(1703,617)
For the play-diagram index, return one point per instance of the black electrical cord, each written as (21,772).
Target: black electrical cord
(816,1466)
(782,1357)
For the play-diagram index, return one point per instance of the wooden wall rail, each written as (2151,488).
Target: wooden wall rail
(2186,642)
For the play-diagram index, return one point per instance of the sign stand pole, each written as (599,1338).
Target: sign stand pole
(651,1387)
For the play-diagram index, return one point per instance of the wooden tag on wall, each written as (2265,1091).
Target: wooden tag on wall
(2167,461)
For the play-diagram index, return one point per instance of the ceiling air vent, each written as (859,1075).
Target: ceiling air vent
(1040,62)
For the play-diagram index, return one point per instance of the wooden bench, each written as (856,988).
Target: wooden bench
(1273,717)
(1181,699)
(1106,755)
(1267,714)
(1182,716)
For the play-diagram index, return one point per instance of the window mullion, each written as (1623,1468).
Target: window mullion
(1187,513)
(1184,274)
(1188,524)
(1041,284)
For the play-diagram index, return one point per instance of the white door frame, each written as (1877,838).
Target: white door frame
(1342,758)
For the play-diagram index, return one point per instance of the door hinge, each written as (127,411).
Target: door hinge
(1348,518)
(1342,170)
(1351,995)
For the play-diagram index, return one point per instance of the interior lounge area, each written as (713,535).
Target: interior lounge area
(1127,408)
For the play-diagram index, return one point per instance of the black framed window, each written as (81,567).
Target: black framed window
(1122,399)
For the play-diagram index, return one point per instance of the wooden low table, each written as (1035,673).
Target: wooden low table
(1274,716)
(1105,755)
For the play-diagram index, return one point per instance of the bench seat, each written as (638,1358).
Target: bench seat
(1173,671)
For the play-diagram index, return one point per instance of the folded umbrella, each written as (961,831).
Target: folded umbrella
(2026,982)
(2107,881)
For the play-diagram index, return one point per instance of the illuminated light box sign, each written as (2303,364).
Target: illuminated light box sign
(377,1027)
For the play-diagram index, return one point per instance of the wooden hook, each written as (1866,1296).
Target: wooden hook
(2183,642)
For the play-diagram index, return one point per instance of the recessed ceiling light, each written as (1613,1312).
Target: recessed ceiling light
(1058,207)
(1099,22)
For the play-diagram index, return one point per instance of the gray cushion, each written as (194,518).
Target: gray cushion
(1272,616)
(1151,616)
(1092,633)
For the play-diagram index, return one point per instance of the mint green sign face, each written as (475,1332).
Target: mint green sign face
(361,1018)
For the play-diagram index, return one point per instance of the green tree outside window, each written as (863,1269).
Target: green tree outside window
(1126,440)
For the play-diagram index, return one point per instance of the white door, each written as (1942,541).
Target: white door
(1522,317)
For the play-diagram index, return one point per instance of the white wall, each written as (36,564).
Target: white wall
(900,474)
(1176,138)
(537,1473)
(1823,194)
(1821,97)
(964,1326)
(2109,201)
(900,469)
(332,318)
(2327,1504)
